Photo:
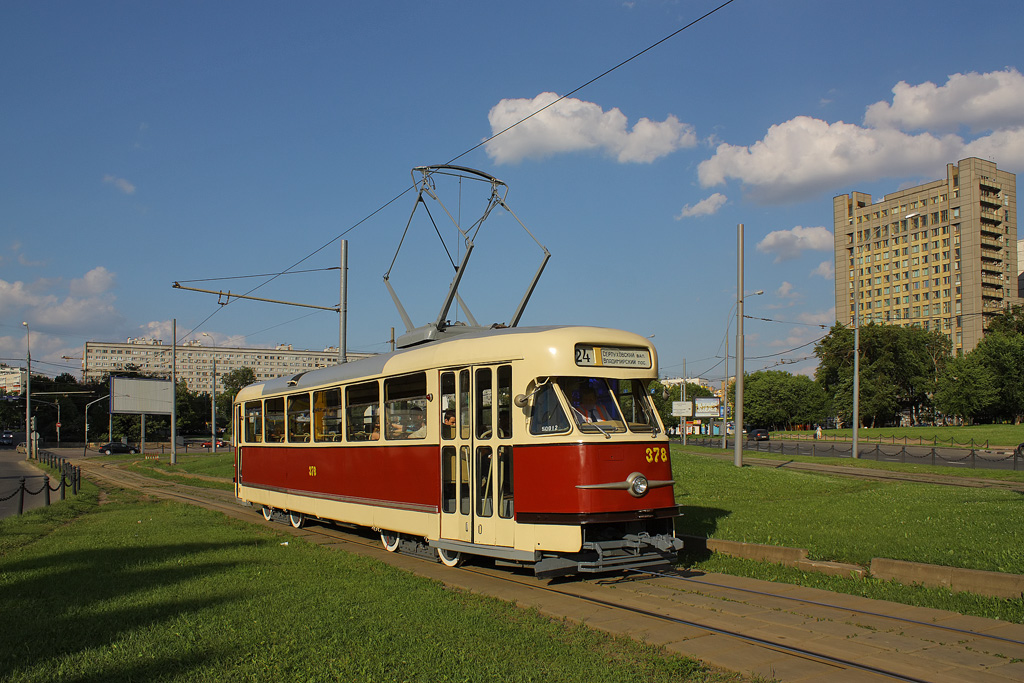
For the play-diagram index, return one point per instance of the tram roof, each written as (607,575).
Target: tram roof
(502,344)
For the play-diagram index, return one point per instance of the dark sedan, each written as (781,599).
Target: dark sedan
(758,435)
(117,447)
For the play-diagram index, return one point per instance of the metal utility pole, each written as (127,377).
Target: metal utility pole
(683,421)
(737,411)
(174,389)
(343,307)
(725,395)
(28,393)
(213,398)
(856,373)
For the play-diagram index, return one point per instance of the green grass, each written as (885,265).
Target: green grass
(851,520)
(912,466)
(996,435)
(158,591)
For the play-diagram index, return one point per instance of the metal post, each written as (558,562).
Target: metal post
(856,373)
(683,421)
(737,411)
(28,393)
(343,312)
(174,389)
(213,397)
(725,394)
(21,495)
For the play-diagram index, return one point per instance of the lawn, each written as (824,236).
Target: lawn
(851,520)
(136,589)
(996,435)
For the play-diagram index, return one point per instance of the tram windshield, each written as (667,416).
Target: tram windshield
(596,405)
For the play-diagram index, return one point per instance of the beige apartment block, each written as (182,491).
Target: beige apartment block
(195,363)
(940,256)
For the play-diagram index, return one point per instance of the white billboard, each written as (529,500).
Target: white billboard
(141,395)
(707,407)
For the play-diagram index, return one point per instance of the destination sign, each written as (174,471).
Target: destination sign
(612,357)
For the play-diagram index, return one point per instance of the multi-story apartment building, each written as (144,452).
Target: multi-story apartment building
(195,362)
(942,256)
(11,379)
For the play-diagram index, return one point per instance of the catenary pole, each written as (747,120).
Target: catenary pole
(737,411)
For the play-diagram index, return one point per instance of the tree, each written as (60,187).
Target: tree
(663,396)
(1010,322)
(775,399)
(966,388)
(1003,355)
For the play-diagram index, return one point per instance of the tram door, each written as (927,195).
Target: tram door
(477,503)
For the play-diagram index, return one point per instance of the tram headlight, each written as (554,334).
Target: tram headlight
(638,484)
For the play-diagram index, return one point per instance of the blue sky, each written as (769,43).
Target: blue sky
(147,143)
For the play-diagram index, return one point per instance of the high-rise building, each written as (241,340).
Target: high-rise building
(941,256)
(195,363)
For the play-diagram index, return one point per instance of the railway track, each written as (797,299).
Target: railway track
(775,630)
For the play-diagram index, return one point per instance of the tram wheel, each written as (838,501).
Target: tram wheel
(389,540)
(297,519)
(268,513)
(449,558)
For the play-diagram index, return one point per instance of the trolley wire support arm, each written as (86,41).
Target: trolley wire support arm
(224,298)
(440,326)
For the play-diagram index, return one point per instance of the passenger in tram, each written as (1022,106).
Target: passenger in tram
(417,426)
(448,424)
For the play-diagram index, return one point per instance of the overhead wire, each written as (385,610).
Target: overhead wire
(466,152)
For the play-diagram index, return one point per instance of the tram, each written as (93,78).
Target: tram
(537,447)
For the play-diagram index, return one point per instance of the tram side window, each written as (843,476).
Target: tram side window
(505,402)
(448,406)
(298,418)
(547,416)
(484,404)
(484,482)
(362,411)
(405,406)
(449,489)
(253,422)
(464,404)
(327,415)
(275,419)
(635,403)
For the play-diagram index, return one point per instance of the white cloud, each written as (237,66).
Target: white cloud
(989,101)
(120,183)
(704,207)
(573,125)
(825,269)
(804,156)
(827,318)
(785,291)
(790,244)
(96,281)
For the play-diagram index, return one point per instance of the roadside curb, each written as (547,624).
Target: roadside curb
(956,579)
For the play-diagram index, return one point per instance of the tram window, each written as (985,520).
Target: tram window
(635,403)
(484,401)
(547,416)
(405,406)
(484,482)
(275,419)
(449,465)
(505,497)
(327,415)
(253,422)
(464,480)
(464,404)
(298,418)
(362,411)
(448,406)
(593,407)
(505,402)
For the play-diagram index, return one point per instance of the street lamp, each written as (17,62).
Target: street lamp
(213,398)
(28,393)
(86,444)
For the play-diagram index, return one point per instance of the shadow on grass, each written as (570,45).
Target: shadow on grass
(92,599)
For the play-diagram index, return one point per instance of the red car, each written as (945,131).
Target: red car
(220,442)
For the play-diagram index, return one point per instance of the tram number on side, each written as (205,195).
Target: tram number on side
(312,470)
(657,454)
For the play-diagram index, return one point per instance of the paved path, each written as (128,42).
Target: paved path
(13,467)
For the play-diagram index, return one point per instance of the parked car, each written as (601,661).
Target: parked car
(758,435)
(117,447)
(220,442)
(6,438)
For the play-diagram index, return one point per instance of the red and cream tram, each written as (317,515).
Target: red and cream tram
(537,447)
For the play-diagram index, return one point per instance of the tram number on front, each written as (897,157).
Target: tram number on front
(312,470)
(657,454)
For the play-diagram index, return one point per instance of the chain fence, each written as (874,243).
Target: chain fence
(70,477)
(973,456)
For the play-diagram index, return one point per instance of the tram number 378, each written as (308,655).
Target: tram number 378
(657,454)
